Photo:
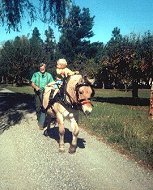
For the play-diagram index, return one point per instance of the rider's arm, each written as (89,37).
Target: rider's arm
(69,72)
(51,84)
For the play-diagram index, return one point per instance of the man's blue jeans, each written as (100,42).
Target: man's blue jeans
(40,112)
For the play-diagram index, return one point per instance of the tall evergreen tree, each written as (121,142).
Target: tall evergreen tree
(36,48)
(50,50)
(75,31)
(50,44)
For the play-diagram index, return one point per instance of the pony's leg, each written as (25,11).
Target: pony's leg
(48,122)
(75,132)
(60,121)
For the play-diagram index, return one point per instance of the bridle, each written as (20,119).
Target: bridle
(79,102)
(83,101)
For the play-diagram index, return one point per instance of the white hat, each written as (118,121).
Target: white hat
(62,61)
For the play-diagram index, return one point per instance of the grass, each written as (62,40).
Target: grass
(118,120)
(22,89)
(123,122)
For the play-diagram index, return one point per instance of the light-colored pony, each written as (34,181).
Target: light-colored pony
(77,94)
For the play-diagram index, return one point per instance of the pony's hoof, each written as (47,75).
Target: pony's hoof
(150,117)
(72,149)
(46,133)
(61,149)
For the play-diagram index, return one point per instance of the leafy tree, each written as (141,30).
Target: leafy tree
(123,60)
(85,66)
(12,12)
(146,55)
(130,59)
(114,55)
(54,11)
(5,59)
(15,59)
(95,50)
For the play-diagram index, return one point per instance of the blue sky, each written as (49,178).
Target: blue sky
(131,16)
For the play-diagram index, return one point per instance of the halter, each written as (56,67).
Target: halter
(78,104)
(83,101)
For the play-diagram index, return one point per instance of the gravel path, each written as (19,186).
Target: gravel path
(31,161)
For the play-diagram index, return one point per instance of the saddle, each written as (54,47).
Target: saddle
(58,97)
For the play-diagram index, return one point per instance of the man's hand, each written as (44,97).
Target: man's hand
(38,92)
(37,88)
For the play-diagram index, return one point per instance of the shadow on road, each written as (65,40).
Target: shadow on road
(12,108)
(54,134)
(14,105)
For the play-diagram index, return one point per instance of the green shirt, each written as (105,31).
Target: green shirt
(41,79)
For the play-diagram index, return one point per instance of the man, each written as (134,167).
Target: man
(38,82)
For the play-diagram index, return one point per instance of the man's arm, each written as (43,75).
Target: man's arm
(35,87)
(33,82)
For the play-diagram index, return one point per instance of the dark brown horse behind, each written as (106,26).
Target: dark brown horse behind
(77,93)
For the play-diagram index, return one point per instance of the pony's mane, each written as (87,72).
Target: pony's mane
(75,79)
(71,83)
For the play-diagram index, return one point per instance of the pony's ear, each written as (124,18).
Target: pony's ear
(91,80)
(88,80)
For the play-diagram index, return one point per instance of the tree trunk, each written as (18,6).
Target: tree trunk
(2,81)
(125,87)
(6,80)
(103,85)
(134,89)
(151,105)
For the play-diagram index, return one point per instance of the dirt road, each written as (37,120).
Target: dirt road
(31,161)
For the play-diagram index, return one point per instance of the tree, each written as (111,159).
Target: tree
(114,54)
(130,58)
(36,48)
(5,59)
(76,29)
(146,55)
(86,66)
(123,60)
(15,59)
(95,50)
(12,12)
(49,49)
(50,44)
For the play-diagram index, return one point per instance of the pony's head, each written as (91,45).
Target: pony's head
(81,91)
(84,92)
